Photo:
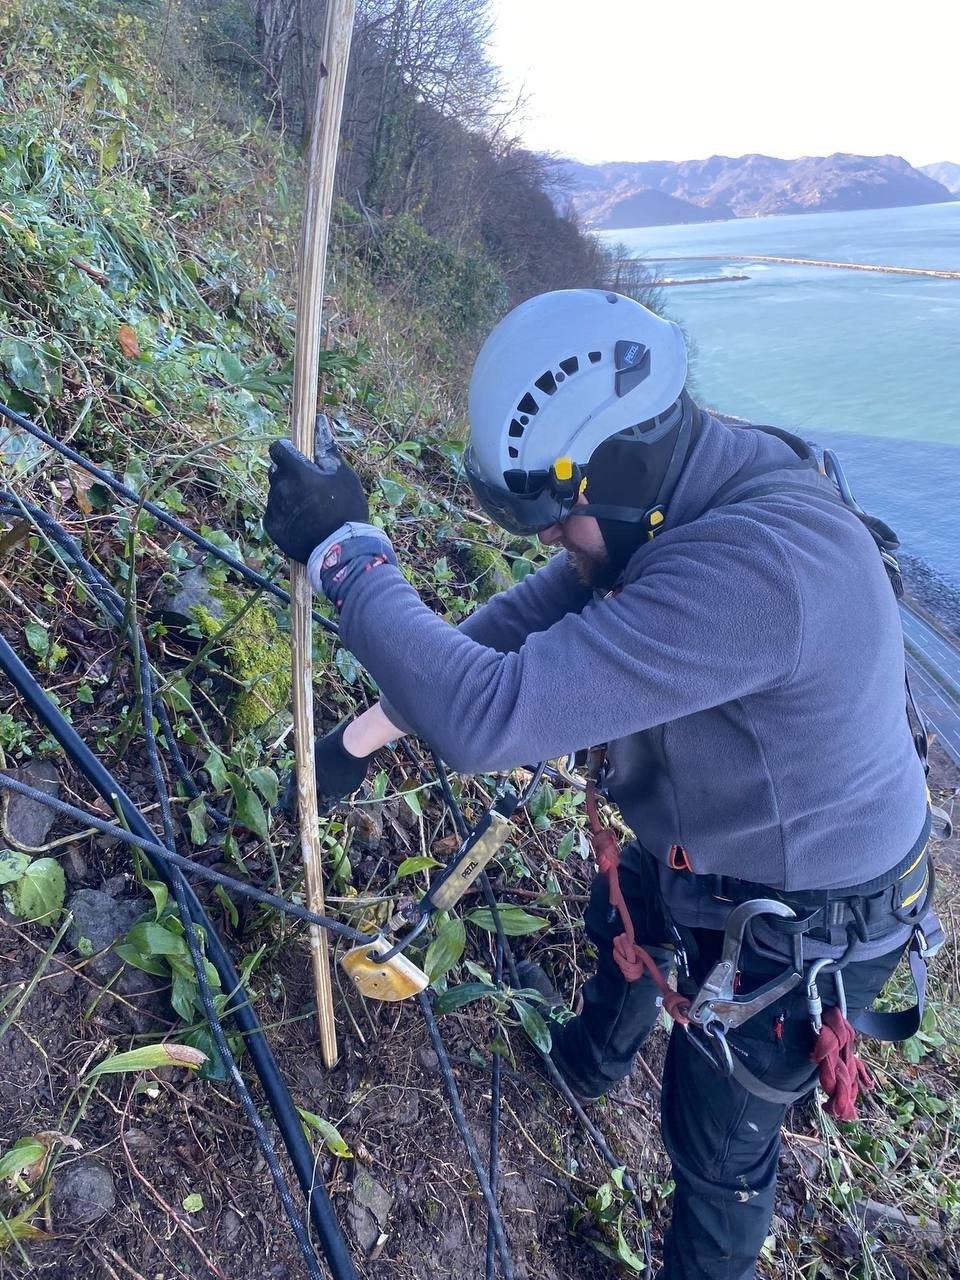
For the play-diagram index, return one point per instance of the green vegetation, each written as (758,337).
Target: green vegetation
(147,241)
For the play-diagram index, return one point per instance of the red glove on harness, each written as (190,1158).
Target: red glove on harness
(842,1074)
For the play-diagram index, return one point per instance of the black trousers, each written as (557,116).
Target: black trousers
(722,1140)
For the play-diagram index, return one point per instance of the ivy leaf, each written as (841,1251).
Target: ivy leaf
(27,369)
(346,664)
(393,492)
(265,780)
(409,791)
(12,865)
(249,812)
(216,771)
(446,949)
(196,812)
(456,997)
(38,638)
(40,892)
(410,866)
(230,368)
(543,801)
(515,921)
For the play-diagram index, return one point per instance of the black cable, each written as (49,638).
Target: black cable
(493,1166)
(158,512)
(285,1113)
(111,605)
(460,1119)
(184,864)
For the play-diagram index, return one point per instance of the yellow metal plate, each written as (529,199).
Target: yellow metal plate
(397,979)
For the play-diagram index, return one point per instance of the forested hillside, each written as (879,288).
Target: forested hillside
(150,209)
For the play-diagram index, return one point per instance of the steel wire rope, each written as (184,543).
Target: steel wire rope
(111,792)
(158,513)
(293,909)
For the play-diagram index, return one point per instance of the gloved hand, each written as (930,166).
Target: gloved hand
(307,503)
(350,551)
(338,774)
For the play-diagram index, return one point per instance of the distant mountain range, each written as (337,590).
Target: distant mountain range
(656,193)
(945,172)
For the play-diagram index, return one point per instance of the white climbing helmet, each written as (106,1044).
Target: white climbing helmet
(560,374)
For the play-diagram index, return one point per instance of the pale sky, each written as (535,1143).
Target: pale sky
(685,79)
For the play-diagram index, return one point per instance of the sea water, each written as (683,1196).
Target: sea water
(860,362)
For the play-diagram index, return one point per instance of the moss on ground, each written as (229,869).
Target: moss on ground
(256,656)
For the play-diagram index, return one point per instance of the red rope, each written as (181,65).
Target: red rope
(631,959)
(842,1074)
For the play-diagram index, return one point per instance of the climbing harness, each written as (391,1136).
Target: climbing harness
(861,923)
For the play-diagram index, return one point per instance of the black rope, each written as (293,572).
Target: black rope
(109,602)
(456,1107)
(554,1074)
(158,513)
(157,850)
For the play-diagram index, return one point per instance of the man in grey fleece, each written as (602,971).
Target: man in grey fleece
(726,626)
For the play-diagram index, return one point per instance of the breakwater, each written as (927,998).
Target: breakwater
(808,262)
(666,284)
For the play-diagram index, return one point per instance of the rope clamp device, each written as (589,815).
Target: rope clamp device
(380,970)
(716,1008)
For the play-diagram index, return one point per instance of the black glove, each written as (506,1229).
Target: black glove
(338,774)
(306,504)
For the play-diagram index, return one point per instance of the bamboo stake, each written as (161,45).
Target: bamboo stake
(321,167)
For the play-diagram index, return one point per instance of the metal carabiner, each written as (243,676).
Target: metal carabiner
(722,1063)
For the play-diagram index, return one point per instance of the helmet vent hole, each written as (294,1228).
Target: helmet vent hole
(514,453)
(516,429)
(528,405)
(594,357)
(547,383)
(570,365)
(524,419)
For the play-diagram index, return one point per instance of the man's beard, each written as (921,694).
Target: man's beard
(593,572)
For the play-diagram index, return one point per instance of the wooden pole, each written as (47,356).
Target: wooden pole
(321,168)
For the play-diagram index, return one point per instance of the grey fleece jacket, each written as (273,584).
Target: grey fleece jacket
(748,678)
